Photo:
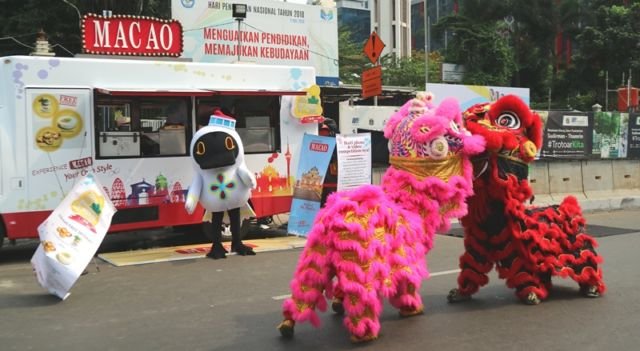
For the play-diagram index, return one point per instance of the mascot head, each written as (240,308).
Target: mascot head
(217,144)
(509,127)
(428,140)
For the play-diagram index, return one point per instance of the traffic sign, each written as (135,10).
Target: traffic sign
(372,82)
(373,47)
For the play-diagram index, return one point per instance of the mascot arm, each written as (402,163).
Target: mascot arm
(247,177)
(193,196)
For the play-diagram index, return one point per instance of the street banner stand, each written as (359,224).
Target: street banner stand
(633,149)
(567,135)
(71,235)
(314,161)
(354,160)
(610,134)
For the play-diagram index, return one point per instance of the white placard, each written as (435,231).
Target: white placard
(71,235)
(354,160)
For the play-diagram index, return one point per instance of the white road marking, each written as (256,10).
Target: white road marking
(435,274)
(453,271)
(6,284)
(281,297)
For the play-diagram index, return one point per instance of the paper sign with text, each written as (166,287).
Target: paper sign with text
(354,160)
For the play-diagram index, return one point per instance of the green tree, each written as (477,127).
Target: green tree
(409,71)
(609,42)
(351,60)
(60,19)
(479,46)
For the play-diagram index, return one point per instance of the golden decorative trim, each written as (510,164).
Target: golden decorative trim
(426,167)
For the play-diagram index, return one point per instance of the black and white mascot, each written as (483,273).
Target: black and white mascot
(222,181)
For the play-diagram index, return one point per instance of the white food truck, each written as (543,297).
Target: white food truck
(130,122)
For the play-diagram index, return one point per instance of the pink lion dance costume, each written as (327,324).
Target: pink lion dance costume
(527,245)
(373,239)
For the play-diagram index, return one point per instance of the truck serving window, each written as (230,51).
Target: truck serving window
(142,126)
(257,119)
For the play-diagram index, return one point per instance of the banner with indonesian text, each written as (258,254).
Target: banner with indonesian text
(273,33)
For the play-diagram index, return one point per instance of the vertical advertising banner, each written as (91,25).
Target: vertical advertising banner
(610,134)
(71,235)
(314,161)
(633,150)
(354,160)
(567,135)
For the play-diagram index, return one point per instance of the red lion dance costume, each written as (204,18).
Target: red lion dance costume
(373,239)
(527,245)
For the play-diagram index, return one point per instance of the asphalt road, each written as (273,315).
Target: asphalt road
(234,304)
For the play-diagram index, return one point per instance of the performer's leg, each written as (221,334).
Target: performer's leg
(362,307)
(236,243)
(475,265)
(217,250)
(408,299)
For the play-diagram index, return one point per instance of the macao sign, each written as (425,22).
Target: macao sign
(131,35)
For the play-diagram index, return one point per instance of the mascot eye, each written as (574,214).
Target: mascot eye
(228,143)
(200,148)
(508,120)
(454,126)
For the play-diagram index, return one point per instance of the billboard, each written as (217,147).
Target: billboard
(469,95)
(273,33)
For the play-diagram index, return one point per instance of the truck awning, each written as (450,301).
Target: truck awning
(259,92)
(193,92)
(153,92)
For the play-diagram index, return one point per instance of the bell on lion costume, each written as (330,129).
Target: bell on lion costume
(369,243)
(527,245)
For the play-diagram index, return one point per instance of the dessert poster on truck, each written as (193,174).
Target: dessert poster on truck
(71,235)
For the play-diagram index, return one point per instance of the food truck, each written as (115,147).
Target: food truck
(130,122)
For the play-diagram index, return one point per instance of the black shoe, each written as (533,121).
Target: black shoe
(217,251)
(242,249)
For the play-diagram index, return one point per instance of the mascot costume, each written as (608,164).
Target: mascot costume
(527,245)
(369,243)
(222,181)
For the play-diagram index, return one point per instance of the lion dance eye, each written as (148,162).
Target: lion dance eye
(228,143)
(454,126)
(200,148)
(508,120)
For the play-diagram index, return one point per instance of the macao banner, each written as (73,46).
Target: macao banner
(273,33)
(469,95)
(315,155)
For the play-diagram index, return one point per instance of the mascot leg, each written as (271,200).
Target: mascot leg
(309,281)
(217,250)
(236,244)
(338,297)
(362,307)
(407,299)
(584,263)
(588,274)
(474,265)
(531,287)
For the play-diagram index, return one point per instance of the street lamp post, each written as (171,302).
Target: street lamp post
(239,13)
(426,47)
